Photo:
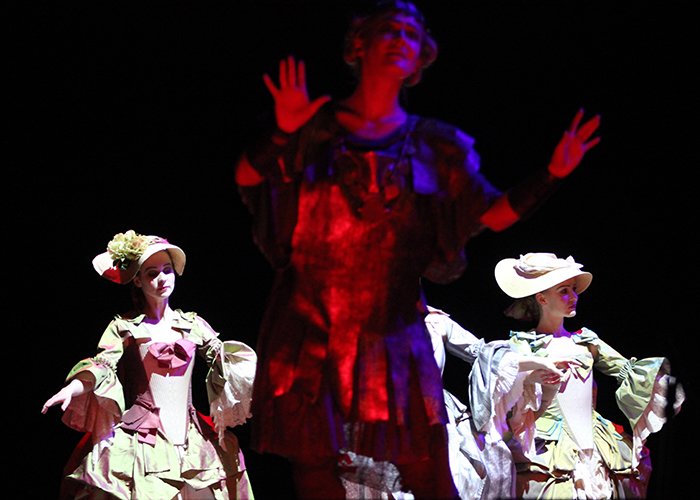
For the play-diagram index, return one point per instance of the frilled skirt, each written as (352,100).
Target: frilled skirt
(561,470)
(125,467)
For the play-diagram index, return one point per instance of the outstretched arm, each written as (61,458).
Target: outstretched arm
(292,110)
(522,200)
(81,384)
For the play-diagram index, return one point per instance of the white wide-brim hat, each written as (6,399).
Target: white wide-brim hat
(536,272)
(123,271)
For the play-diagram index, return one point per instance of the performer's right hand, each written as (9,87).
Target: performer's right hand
(76,387)
(292,106)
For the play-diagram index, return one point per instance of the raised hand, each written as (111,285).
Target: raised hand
(572,146)
(292,106)
(544,376)
(547,371)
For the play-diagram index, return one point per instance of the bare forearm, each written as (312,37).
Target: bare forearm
(83,382)
(80,384)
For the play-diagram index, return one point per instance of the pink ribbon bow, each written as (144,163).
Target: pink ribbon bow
(172,355)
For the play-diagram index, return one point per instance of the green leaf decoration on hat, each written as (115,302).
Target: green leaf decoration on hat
(127,247)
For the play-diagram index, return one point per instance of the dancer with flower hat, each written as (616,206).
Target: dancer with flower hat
(566,449)
(144,438)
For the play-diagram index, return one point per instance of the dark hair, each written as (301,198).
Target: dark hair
(138,298)
(525,309)
(363,27)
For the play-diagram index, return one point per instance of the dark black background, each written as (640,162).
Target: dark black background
(131,115)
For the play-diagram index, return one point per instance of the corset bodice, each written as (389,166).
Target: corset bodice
(168,366)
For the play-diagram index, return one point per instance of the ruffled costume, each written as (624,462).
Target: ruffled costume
(571,453)
(480,461)
(144,438)
(351,225)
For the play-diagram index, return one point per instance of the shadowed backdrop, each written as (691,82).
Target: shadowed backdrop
(132,116)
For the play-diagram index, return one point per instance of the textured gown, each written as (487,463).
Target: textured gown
(144,438)
(480,460)
(351,226)
(572,451)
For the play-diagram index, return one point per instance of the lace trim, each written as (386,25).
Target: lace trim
(105,361)
(232,407)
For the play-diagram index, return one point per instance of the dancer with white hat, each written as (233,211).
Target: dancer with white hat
(579,454)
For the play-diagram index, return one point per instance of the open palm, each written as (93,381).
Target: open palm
(292,105)
(572,146)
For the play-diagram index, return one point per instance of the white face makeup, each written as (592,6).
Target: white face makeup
(157,276)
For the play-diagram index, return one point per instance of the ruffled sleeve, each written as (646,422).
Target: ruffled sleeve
(230,377)
(521,419)
(96,411)
(494,385)
(451,336)
(642,386)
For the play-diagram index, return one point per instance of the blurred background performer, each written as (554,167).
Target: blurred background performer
(353,202)
(480,460)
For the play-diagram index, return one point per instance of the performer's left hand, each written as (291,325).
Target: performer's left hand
(573,145)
